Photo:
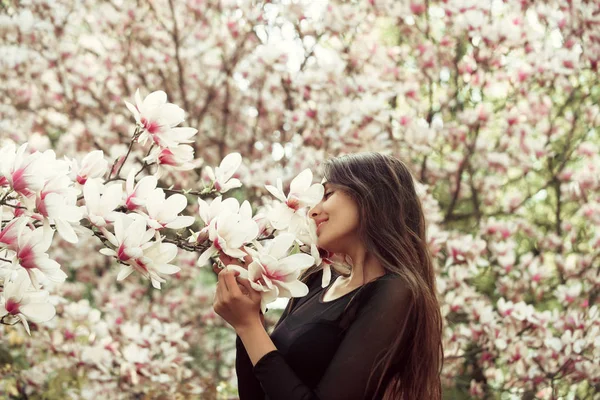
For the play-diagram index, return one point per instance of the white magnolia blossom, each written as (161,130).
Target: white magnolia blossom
(229,232)
(163,212)
(129,238)
(63,213)
(158,120)
(135,250)
(274,272)
(20,171)
(101,201)
(222,176)
(31,249)
(137,193)
(93,166)
(302,194)
(209,212)
(175,158)
(18,301)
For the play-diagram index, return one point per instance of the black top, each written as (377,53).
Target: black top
(327,350)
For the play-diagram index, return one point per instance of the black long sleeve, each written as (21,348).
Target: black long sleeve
(323,355)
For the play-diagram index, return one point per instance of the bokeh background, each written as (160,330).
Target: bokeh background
(493,104)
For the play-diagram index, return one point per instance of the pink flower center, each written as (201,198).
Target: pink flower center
(121,253)
(27,257)
(12,307)
(151,126)
(293,203)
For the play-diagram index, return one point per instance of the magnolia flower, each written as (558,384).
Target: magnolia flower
(31,255)
(63,212)
(136,195)
(156,260)
(302,194)
(158,119)
(222,175)
(9,234)
(162,213)
(229,232)
(321,256)
(101,201)
(177,158)
(137,253)
(130,235)
(25,305)
(209,212)
(273,272)
(20,171)
(93,165)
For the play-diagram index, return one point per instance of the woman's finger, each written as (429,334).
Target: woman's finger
(232,285)
(223,281)
(215,268)
(248,286)
(228,260)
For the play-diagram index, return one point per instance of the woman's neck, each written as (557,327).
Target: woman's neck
(365,268)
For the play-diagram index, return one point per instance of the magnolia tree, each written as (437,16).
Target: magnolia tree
(493,104)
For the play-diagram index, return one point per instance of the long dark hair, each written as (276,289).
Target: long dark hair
(392,226)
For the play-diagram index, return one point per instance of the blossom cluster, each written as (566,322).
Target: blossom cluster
(132,218)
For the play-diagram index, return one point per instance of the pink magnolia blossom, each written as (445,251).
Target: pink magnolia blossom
(31,249)
(18,301)
(137,193)
(93,165)
(158,120)
(274,272)
(222,176)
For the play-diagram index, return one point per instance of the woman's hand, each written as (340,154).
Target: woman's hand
(240,309)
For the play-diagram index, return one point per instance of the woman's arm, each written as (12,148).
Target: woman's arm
(256,340)
(377,324)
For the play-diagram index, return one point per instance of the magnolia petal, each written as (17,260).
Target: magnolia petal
(326,275)
(66,231)
(301,182)
(25,323)
(167,269)
(243,272)
(294,289)
(246,210)
(38,312)
(231,184)
(276,193)
(295,262)
(229,165)
(180,222)
(133,110)
(235,253)
(204,210)
(108,252)
(154,99)
(313,195)
(175,203)
(206,255)
(125,271)
(281,244)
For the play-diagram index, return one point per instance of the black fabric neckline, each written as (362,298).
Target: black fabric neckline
(324,290)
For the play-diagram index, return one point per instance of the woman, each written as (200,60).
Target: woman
(373,334)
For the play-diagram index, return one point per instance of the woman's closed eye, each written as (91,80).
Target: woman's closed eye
(327,194)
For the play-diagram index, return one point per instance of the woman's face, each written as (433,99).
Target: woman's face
(337,219)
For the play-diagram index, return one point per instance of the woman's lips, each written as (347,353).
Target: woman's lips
(319,226)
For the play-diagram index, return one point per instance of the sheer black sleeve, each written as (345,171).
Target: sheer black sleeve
(379,320)
(248,385)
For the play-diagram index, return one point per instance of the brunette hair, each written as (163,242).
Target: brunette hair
(392,227)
